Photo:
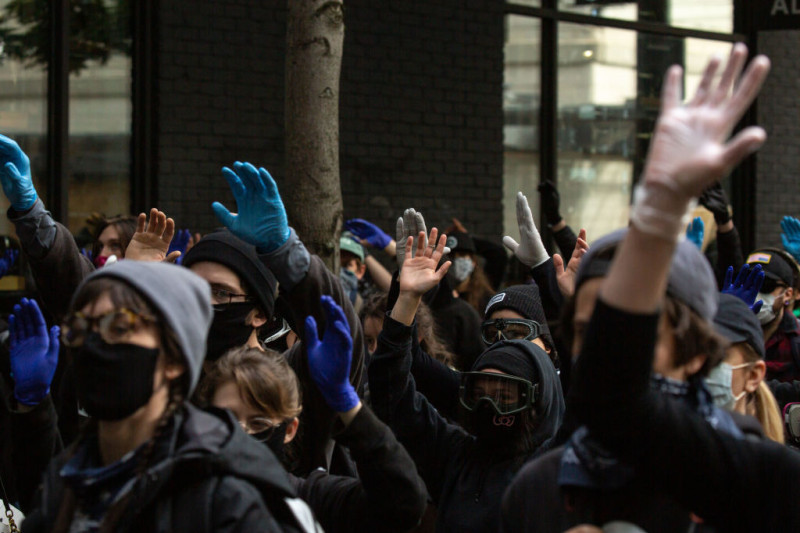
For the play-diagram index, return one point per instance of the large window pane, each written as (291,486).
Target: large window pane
(23,92)
(597,89)
(521,97)
(100,114)
(708,15)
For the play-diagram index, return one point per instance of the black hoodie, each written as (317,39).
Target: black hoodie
(465,480)
(206,475)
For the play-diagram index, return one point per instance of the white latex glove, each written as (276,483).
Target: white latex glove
(530,251)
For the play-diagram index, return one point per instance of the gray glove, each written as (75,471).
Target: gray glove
(530,251)
(409,225)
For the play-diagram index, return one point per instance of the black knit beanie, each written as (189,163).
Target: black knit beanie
(525,300)
(511,359)
(226,249)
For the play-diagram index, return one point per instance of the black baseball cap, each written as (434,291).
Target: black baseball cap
(737,323)
(777,270)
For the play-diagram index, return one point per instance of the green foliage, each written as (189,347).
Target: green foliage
(96,28)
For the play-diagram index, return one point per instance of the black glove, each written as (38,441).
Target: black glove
(551,201)
(715,200)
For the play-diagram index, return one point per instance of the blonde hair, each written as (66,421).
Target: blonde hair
(766,407)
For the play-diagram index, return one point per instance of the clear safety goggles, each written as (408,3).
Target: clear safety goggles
(508,394)
(509,329)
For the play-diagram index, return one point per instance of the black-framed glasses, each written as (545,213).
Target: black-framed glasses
(508,394)
(114,326)
(222,298)
(509,329)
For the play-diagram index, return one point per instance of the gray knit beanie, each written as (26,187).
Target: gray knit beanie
(181,297)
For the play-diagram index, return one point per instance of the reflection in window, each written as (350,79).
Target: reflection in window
(23,94)
(521,96)
(100,117)
(707,15)
(597,89)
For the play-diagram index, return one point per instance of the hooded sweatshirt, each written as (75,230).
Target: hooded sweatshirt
(465,479)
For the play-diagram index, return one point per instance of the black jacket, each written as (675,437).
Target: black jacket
(459,325)
(733,484)
(388,496)
(206,475)
(465,481)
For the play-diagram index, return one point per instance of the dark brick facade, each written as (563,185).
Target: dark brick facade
(421,119)
(778,167)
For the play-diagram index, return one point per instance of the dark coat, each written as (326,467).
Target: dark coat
(206,475)
(465,480)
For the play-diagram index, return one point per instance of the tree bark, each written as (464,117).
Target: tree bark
(313,194)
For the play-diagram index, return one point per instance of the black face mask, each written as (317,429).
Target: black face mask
(273,439)
(228,330)
(113,380)
(494,431)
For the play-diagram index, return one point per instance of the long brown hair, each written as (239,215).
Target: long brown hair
(125,226)
(762,401)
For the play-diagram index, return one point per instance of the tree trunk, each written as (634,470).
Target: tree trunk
(313,194)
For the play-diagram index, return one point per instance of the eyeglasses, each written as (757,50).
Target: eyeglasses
(114,327)
(222,298)
(260,428)
(509,329)
(508,394)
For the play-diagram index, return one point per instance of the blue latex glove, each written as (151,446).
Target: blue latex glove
(87,253)
(367,231)
(329,361)
(15,175)
(8,260)
(34,352)
(261,219)
(179,243)
(746,286)
(695,232)
(791,236)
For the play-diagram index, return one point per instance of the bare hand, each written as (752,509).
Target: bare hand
(420,273)
(566,276)
(151,240)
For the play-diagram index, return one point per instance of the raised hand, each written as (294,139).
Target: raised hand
(530,250)
(690,151)
(411,224)
(565,276)
(420,273)
(8,260)
(15,175)
(151,240)
(791,236)
(179,244)
(551,202)
(747,285)
(696,231)
(715,200)
(33,352)
(329,361)
(261,220)
(368,233)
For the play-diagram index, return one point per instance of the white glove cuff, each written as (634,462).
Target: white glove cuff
(669,225)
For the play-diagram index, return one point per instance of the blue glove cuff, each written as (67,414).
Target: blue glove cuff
(31,398)
(342,400)
(25,203)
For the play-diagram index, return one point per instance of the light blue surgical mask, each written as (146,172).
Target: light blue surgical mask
(718,382)
(462,268)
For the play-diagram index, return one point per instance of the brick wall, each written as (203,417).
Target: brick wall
(778,182)
(420,107)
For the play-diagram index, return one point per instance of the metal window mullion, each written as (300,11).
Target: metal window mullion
(58,111)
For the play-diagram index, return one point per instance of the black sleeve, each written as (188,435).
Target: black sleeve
(672,447)
(36,441)
(438,383)
(429,438)
(496,260)
(784,392)
(566,241)
(545,277)
(388,495)
(729,253)
(237,507)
